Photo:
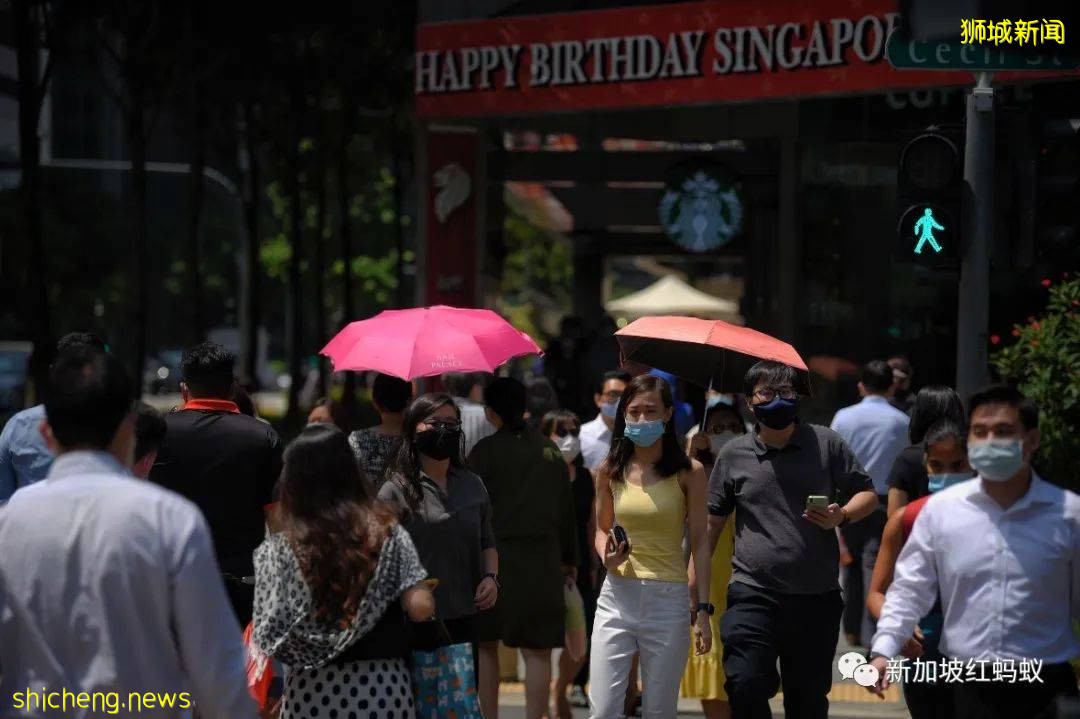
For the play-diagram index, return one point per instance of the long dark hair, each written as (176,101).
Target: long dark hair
(405,469)
(672,458)
(934,403)
(334,524)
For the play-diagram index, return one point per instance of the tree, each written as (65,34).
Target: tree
(1044,363)
(32,26)
(137,43)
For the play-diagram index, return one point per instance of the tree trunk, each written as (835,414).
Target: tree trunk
(196,197)
(295,300)
(30,93)
(137,139)
(397,158)
(319,271)
(344,200)
(196,92)
(250,300)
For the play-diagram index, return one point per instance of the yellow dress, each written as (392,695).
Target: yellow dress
(703,677)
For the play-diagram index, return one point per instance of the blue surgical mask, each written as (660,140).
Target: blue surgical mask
(610,409)
(644,434)
(938,482)
(997,460)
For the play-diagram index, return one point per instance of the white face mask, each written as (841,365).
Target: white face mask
(717,441)
(570,446)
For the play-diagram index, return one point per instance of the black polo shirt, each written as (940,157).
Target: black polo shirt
(226,463)
(766,487)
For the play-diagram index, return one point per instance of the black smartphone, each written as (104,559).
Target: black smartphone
(620,535)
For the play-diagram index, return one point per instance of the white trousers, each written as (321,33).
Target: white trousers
(645,616)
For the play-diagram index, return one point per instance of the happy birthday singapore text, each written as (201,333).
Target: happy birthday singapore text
(789,46)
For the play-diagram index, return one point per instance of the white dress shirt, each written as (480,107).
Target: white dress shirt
(1009,579)
(474,422)
(595,442)
(877,433)
(108,583)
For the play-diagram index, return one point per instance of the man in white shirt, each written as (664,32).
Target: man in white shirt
(596,435)
(877,433)
(1003,552)
(467,389)
(108,584)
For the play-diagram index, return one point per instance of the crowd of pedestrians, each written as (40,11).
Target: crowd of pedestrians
(706,554)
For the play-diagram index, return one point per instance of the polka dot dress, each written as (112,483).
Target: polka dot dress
(370,689)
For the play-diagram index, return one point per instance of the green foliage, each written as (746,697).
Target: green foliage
(1044,363)
(537,275)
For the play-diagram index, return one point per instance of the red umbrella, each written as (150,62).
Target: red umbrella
(707,352)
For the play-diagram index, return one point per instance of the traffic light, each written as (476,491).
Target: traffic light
(928,192)
(1057,195)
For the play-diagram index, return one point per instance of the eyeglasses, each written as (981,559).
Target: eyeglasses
(612,395)
(732,426)
(768,394)
(443,425)
(564,431)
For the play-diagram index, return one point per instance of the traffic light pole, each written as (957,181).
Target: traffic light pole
(972,369)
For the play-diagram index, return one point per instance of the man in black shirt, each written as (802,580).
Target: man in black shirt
(784,598)
(225,462)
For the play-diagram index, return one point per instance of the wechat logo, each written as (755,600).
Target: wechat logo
(853,666)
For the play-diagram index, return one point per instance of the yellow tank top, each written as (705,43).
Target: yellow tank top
(653,518)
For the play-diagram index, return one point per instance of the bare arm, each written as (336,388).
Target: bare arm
(418,602)
(605,510)
(861,505)
(886,562)
(716,528)
(898,499)
(700,546)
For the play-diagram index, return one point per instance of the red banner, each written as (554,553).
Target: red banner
(661,55)
(450,258)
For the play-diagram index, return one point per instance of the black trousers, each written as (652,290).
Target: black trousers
(927,700)
(760,627)
(1000,700)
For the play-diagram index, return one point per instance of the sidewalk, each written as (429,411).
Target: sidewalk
(847,700)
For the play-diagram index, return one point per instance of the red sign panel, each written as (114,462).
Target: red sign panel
(450,257)
(661,55)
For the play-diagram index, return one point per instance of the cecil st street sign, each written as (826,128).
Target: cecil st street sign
(905,54)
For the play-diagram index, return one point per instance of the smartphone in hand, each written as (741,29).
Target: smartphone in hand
(817,500)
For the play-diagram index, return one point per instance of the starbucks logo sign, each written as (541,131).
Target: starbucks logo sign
(702,208)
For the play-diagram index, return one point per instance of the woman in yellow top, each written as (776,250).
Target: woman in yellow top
(650,489)
(704,675)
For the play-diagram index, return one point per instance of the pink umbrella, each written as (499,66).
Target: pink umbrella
(428,341)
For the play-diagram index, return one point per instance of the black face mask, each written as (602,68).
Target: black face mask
(439,444)
(777,414)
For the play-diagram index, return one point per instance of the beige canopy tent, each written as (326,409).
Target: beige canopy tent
(671,296)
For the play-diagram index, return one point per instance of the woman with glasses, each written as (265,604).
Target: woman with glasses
(704,675)
(527,480)
(647,491)
(563,427)
(446,510)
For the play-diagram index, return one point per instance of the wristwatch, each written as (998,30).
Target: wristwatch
(494,578)
(706,607)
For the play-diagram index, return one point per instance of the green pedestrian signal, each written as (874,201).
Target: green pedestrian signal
(927,235)
(924,228)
